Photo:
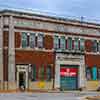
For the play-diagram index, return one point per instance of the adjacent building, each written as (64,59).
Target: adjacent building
(45,53)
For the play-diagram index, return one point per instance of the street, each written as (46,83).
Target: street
(47,96)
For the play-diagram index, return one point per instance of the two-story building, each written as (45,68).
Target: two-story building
(43,52)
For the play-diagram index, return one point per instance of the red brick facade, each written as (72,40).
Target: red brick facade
(67,50)
(5,55)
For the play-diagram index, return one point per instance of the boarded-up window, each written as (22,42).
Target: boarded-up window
(32,40)
(40,41)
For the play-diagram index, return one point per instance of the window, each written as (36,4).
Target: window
(69,43)
(94,46)
(24,40)
(56,42)
(99,46)
(49,73)
(62,42)
(76,44)
(32,40)
(33,72)
(41,73)
(82,46)
(40,41)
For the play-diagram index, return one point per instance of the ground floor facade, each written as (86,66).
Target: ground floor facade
(48,71)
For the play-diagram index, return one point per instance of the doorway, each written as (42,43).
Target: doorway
(69,77)
(22,77)
(22,81)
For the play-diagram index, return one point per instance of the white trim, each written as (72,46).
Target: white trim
(11,51)
(1,48)
(53,34)
(22,68)
(35,49)
(71,60)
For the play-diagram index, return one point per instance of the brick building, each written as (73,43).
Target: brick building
(44,53)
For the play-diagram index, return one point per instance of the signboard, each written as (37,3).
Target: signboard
(68,72)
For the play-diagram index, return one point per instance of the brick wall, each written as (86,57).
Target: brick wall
(92,60)
(38,58)
(17,39)
(5,55)
(48,42)
(88,45)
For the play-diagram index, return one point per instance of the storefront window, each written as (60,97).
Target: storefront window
(69,43)
(94,73)
(40,41)
(82,46)
(94,46)
(32,40)
(49,73)
(41,73)
(76,44)
(56,42)
(89,73)
(62,42)
(24,40)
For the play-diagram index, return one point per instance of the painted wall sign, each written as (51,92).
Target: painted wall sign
(55,27)
(68,72)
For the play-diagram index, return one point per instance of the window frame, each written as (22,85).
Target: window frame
(24,39)
(62,42)
(76,43)
(70,45)
(94,46)
(32,40)
(40,42)
(56,42)
(82,44)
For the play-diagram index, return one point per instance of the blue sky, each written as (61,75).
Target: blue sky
(87,8)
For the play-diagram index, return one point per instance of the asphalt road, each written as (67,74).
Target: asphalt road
(46,96)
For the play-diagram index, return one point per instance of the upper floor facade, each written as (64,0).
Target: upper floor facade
(40,32)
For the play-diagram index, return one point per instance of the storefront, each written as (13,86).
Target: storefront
(69,72)
(92,72)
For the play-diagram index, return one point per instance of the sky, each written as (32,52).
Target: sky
(89,9)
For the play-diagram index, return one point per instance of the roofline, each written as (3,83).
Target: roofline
(47,16)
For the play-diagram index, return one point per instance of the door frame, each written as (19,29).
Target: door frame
(69,59)
(22,68)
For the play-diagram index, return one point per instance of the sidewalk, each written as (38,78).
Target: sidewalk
(93,98)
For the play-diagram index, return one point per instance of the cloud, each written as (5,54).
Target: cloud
(88,8)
